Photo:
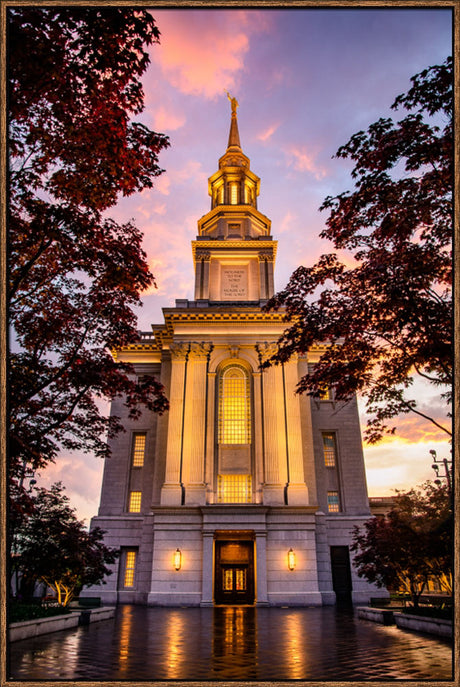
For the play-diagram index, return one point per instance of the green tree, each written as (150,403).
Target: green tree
(53,546)
(74,273)
(410,544)
(388,316)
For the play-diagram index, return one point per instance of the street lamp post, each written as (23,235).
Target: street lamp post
(447,470)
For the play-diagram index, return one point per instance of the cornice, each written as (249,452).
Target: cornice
(228,245)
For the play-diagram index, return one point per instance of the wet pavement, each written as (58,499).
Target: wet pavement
(232,643)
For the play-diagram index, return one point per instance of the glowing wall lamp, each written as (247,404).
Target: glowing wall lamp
(291,559)
(177,559)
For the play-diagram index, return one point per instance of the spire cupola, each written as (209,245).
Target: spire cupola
(234,183)
(234,252)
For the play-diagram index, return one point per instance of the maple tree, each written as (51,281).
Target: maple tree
(410,544)
(53,546)
(385,310)
(75,274)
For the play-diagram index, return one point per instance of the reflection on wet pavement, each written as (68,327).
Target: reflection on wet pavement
(232,643)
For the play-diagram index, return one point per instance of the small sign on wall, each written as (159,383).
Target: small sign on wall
(234,283)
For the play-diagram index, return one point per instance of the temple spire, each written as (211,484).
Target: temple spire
(234,136)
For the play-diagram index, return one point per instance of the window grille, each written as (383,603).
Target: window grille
(130,566)
(234,489)
(234,407)
(333,504)
(138,450)
(135,501)
(329,450)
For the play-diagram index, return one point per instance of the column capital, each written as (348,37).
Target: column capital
(266,257)
(200,349)
(266,349)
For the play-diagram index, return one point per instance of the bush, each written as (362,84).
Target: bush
(431,612)
(20,611)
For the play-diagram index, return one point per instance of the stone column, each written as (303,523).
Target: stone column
(171,492)
(269,286)
(261,569)
(259,478)
(205,265)
(194,426)
(202,260)
(210,438)
(262,277)
(198,279)
(275,469)
(297,489)
(206,585)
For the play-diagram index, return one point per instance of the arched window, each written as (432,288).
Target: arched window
(234,406)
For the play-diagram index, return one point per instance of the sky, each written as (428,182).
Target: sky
(306,80)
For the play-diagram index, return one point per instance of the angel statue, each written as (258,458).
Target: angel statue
(233,101)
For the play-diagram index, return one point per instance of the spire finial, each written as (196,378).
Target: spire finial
(234,137)
(234,103)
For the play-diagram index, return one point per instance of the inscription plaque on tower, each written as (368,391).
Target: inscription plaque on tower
(234,283)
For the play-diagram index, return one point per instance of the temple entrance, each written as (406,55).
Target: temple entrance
(234,570)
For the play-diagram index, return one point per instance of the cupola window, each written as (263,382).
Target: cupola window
(234,194)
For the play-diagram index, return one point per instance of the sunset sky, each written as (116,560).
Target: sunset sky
(306,81)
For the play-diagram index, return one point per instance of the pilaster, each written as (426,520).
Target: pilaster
(194,426)
(171,492)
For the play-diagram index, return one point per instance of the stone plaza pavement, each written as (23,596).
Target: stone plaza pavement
(232,643)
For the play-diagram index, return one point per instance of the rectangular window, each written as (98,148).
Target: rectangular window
(333,505)
(325,394)
(138,449)
(329,451)
(135,501)
(130,567)
(234,489)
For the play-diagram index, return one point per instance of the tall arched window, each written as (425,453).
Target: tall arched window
(234,406)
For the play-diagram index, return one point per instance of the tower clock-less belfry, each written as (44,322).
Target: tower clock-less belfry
(244,492)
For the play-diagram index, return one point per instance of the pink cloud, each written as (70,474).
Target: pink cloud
(167,120)
(268,133)
(304,161)
(210,65)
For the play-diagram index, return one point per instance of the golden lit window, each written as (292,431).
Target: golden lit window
(329,449)
(325,394)
(234,407)
(333,505)
(130,566)
(234,489)
(138,450)
(220,195)
(135,501)
(234,194)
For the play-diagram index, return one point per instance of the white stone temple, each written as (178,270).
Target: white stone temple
(244,492)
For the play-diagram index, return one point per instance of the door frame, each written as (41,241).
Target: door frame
(247,539)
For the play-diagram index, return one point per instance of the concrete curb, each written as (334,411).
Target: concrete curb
(41,626)
(376,615)
(432,626)
(56,623)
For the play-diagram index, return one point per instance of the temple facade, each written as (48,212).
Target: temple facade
(244,492)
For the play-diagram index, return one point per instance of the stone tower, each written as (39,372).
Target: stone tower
(244,492)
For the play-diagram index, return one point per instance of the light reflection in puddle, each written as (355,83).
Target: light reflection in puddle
(232,643)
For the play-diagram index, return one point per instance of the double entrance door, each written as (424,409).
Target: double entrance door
(234,572)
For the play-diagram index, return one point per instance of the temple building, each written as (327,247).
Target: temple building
(244,492)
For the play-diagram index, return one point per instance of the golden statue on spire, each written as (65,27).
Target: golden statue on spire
(234,103)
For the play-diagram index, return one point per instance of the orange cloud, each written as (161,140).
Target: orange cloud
(203,53)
